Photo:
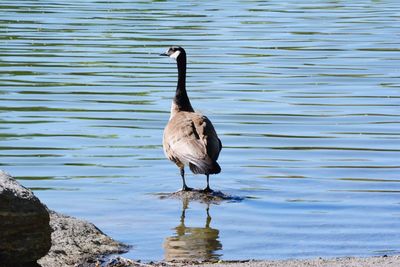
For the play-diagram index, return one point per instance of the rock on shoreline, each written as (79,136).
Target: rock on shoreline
(75,241)
(24,224)
(29,231)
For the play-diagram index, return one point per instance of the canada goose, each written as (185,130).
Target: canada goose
(189,137)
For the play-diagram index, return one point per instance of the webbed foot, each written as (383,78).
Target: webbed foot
(207,190)
(186,188)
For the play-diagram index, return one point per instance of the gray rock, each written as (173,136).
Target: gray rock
(28,230)
(76,241)
(24,224)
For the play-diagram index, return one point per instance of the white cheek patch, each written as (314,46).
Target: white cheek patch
(175,55)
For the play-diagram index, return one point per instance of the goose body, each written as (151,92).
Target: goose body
(189,137)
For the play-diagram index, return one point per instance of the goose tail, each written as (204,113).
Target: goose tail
(213,168)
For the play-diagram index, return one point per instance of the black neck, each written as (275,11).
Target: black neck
(181,98)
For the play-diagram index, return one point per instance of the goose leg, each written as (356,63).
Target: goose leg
(208,189)
(184,187)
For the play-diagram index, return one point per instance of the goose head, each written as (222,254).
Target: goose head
(174,52)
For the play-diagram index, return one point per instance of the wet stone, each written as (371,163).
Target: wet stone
(213,197)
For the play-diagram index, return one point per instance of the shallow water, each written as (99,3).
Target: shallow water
(305,97)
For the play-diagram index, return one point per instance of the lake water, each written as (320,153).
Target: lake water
(305,96)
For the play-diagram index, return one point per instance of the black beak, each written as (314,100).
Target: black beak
(164,54)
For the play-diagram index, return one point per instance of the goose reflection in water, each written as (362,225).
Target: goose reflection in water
(193,243)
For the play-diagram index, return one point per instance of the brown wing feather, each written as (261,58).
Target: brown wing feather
(190,139)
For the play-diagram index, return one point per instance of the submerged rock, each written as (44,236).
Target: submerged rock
(24,225)
(214,197)
(76,241)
